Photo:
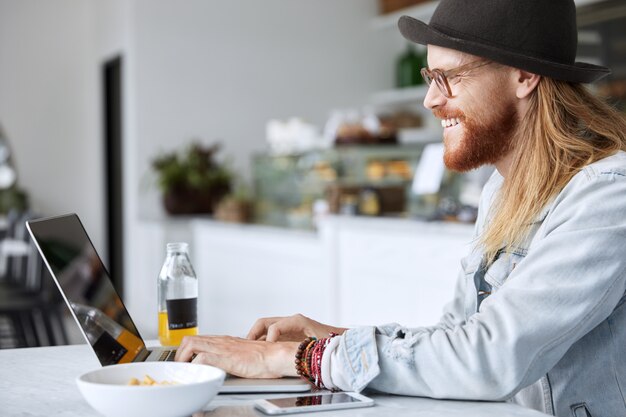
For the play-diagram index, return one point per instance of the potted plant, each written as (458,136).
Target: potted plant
(236,207)
(192,182)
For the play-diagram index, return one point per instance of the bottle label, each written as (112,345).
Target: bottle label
(108,350)
(182,313)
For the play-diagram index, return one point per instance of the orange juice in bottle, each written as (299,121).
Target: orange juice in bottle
(178,296)
(169,337)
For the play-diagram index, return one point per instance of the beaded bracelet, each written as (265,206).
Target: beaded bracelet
(301,355)
(309,359)
(306,359)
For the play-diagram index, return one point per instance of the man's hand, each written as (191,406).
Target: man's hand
(294,328)
(240,357)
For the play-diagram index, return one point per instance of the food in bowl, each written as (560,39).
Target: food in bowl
(107,390)
(148,380)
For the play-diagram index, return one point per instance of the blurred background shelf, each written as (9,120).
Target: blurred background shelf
(580,3)
(422,11)
(410,98)
(399,95)
(420,135)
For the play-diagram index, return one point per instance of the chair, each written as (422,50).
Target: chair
(31,308)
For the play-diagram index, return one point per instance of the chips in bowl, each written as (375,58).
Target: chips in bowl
(188,388)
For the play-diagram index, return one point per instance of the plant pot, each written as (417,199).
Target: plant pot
(232,211)
(184,200)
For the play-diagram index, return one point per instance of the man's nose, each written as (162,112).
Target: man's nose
(434,97)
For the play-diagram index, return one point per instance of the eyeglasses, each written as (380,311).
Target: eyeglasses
(442,78)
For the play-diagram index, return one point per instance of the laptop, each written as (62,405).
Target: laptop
(98,309)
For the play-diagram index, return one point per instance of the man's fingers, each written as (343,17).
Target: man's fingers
(241,357)
(185,350)
(285,326)
(259,329)
(275,327)
(255,331)
(273,333)
(193,345)
(204,358)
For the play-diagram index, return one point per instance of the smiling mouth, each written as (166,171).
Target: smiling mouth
(450,122)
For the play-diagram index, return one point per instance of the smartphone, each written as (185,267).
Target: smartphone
(313,402)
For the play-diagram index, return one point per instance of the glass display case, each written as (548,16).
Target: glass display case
(291,190)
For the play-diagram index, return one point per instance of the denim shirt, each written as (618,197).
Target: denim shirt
(550,334)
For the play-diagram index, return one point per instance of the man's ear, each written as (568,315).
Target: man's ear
(525,83)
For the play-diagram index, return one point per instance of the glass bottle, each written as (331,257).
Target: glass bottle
(112,342)
(177,296)
(408,68)
(369,202)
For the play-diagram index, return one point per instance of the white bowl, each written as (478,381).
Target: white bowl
(107,391)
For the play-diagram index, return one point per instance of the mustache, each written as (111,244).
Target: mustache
(448,114)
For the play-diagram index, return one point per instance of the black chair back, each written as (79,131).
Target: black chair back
(32,311)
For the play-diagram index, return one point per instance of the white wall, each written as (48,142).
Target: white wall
(219,70)
(48,106)
(216,70)
(209,69)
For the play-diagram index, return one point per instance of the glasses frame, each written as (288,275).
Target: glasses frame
(442,78)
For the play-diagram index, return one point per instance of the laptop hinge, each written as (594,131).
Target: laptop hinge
(142,355)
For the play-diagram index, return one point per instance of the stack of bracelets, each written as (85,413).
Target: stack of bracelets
(309,359)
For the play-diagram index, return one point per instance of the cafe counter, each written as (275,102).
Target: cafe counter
(351,271)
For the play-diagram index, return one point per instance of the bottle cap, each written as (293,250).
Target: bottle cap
(177,247)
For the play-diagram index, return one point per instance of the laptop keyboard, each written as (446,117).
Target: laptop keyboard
(167,356)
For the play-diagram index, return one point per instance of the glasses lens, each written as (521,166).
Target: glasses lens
(426,76)
(441,82)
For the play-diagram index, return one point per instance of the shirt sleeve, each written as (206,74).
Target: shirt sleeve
(570,281)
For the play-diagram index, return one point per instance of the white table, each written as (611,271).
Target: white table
(40,382)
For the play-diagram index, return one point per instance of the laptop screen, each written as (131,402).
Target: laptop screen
(87,288)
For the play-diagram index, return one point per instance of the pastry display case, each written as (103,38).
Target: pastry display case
(291,190)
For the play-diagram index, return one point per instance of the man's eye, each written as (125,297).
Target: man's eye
(455,79)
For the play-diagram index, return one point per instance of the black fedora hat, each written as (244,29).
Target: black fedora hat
(539,36)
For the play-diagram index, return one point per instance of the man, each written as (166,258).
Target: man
(539,314)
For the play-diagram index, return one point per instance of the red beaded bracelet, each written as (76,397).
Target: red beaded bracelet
(309,359)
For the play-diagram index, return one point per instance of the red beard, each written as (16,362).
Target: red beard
(480,144)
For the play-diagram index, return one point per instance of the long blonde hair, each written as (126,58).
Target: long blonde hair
(565,128)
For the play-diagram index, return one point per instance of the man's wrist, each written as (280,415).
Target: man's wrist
(286,356)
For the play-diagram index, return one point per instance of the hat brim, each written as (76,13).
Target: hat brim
(419,32)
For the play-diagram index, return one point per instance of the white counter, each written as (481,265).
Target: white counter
(353,271)
(41,382)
